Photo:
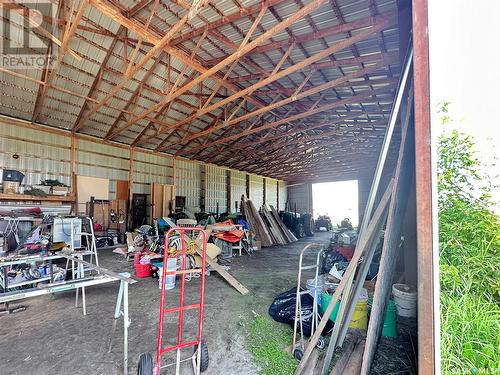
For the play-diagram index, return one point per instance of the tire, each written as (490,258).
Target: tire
(204,356)
(299,231)
(308,225)
(298,353)
(146,364)
(321,343)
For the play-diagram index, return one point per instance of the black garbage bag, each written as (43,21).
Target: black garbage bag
(283,310)
(329,258)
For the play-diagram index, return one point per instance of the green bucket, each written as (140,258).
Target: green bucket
(390,319)
(325,301)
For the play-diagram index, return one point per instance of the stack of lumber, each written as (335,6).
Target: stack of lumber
(256,223)
(267,225)
(277,228)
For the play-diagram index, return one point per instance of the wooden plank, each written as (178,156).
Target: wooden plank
(342,361)
(353,367)
(226,275)
(24,197)
(290,236)
(122,191)
(397,209)
(360,251)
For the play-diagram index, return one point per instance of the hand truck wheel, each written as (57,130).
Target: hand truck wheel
(204,356)
(146,364)
(321,343)
(298,353)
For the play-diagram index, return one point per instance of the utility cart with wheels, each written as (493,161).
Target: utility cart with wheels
(298,329)
(195,236)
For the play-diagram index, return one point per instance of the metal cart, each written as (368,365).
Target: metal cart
(199,358)
(299,344)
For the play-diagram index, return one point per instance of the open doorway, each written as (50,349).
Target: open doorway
(338,200)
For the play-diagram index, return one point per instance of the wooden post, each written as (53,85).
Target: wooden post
(264,195)
(174,181)
(229,197)
(248,186)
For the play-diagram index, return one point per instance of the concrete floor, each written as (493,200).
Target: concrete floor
(53,337)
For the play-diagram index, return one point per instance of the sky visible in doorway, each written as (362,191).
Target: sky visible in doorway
(338,200)
(464,49)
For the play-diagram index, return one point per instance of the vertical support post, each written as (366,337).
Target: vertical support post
(174,182)
(248,186)
(277,195)
(126,324)
(264,196)
(426,189)
(131,173)
(229,197)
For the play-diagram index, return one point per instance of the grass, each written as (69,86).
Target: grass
(469,242)
(268,341)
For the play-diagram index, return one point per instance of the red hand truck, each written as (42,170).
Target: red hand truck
(200,356)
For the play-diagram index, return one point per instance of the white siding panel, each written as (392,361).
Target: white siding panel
(188,183)
(238,187)
(216,189)
(256,191)
(282,195)
(271,192)
(41,155)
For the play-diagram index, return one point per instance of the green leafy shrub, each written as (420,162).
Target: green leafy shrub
(469,239)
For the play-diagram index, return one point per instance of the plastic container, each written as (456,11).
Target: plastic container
(12,175)
(346,251)
(360,315)
(405,297)
(390,319)
(359,318)
(142,270)
(319,288)
(170,280)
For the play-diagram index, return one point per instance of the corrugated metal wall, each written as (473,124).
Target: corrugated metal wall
(103,161)
(300,196)
(41,155)
(282,195)
(216,189)
(151,168)
(188,183)
(256,190)
(238,187)
(271,192)
(45,155)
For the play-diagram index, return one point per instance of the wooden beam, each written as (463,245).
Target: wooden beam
(100,72)
(242,12)
(69,32)
(373,58)
(354,99)
(197,5)
(294,97)
(233,57)
(117,15)
(320,55)
(329,31)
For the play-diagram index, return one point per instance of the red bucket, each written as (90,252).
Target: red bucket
(348,252)
(142,270)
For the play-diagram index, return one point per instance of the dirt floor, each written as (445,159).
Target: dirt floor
(53,337)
